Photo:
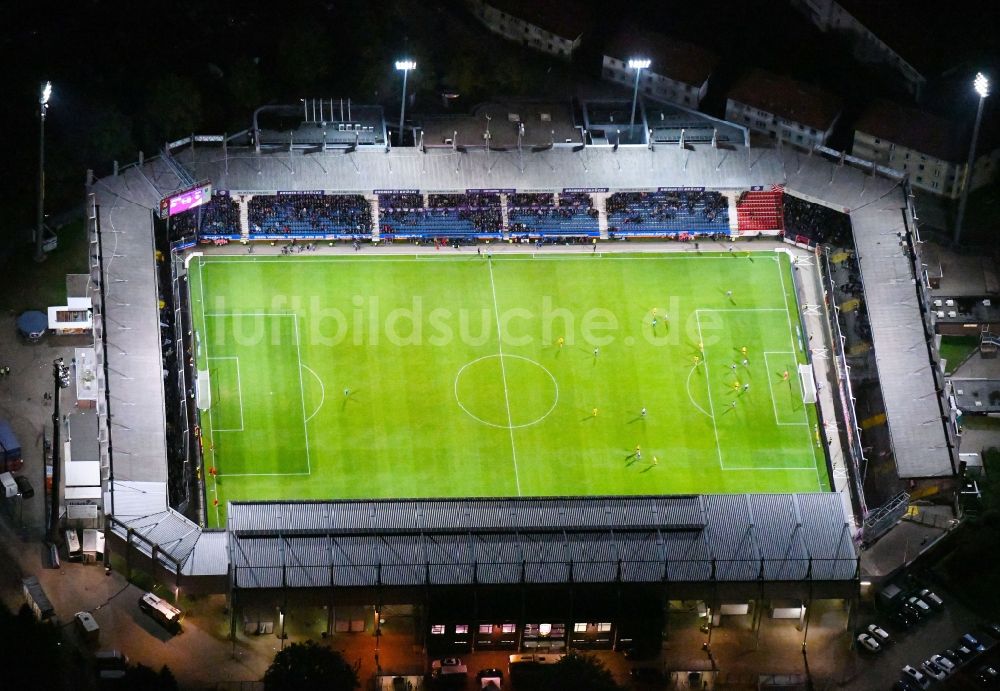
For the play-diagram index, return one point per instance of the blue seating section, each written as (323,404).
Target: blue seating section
(535,214)
(336,215)
(667,213)
(446,215)
(220,216)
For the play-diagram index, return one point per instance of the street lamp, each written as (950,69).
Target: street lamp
(637,64)
(982,87)
(43,107)
(404,66)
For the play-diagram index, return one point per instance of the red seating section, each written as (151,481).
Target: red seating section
(757,211)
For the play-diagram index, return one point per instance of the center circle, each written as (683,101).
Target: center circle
(506,391)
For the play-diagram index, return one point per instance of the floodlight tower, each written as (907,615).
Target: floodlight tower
(60,375)
(982,86)
(637,64)
(404,66)
(43,107)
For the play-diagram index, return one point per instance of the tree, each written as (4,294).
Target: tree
(574,672)
(142,678)
(309,666)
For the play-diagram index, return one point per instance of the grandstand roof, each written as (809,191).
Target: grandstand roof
(731,537)
(787,98)
(915,129)
(671,57)
(564,18)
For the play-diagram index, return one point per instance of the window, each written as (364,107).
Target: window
(437,630)
(461,628)
(486,629)
(920,178)
(604,626)
(921,165)
(580,627)
(508,628)
(878,141)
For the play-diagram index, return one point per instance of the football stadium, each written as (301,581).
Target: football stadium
(530,394)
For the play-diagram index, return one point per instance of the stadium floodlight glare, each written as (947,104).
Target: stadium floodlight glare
(404,66)
(982,87)
(43,107)
(637,64)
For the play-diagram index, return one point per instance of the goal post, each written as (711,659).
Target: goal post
(203,390)
(808,383)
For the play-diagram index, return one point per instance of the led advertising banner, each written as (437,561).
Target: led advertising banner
(186,199)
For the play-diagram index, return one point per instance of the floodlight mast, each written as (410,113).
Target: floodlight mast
(43,107)
(981,85)
(404,66)
(637,64)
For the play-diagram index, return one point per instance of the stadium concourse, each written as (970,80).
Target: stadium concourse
(137,490)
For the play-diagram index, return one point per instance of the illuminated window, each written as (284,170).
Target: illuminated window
(437,630)
(580,627)
(604,626)
(486,629)
(508,628)
(461,628)
(545,629)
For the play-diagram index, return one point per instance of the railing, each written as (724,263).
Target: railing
(852,429)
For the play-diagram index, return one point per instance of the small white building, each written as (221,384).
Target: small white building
(858,19)
(781,107)
(75,317)
(678,72)
(551,26)
(932,150)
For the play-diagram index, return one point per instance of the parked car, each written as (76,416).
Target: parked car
(919,604)
(931,598)
(952,655)
(988,676)
(944,663)
(901,620)
(964,652)
(932,670)
(24,487)
(904,685)
(868,643)
(490,678)
(993,630)
(912,612)
(972,642)
(880,634)
(915,676)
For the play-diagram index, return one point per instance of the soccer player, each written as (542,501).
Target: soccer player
(654,322)
(638,452)
(696,360)
(736,385)
(643,412)
(729,294)
(347,392)
(743,351)
(733,367)
(746,363)
(746,387)
(595,412)
(733,404)
(701,347)
(784,376)
(561,341)
(655,460)
(596,351)
(654,311)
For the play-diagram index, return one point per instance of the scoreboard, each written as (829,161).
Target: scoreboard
(189,198)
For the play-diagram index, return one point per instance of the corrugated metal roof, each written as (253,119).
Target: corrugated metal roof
(636,539)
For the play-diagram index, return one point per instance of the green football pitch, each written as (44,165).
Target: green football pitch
(460,375)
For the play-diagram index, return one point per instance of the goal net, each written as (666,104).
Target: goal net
(808,383)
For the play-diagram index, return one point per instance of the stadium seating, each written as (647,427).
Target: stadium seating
(220,216)
(340,215)
(445,216)
(533,214)
(758,210)
(667,213)
(815,224)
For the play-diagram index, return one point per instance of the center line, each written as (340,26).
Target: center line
(503,373)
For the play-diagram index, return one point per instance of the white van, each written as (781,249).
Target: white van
(162,611)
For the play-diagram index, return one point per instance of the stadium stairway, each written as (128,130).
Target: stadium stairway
(376,225)
(504,216)
(734,223)
(244,204)
(601,204)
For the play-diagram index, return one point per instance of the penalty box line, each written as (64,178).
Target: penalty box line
(770,390)
(302,395)
(239,389)
(711,404)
